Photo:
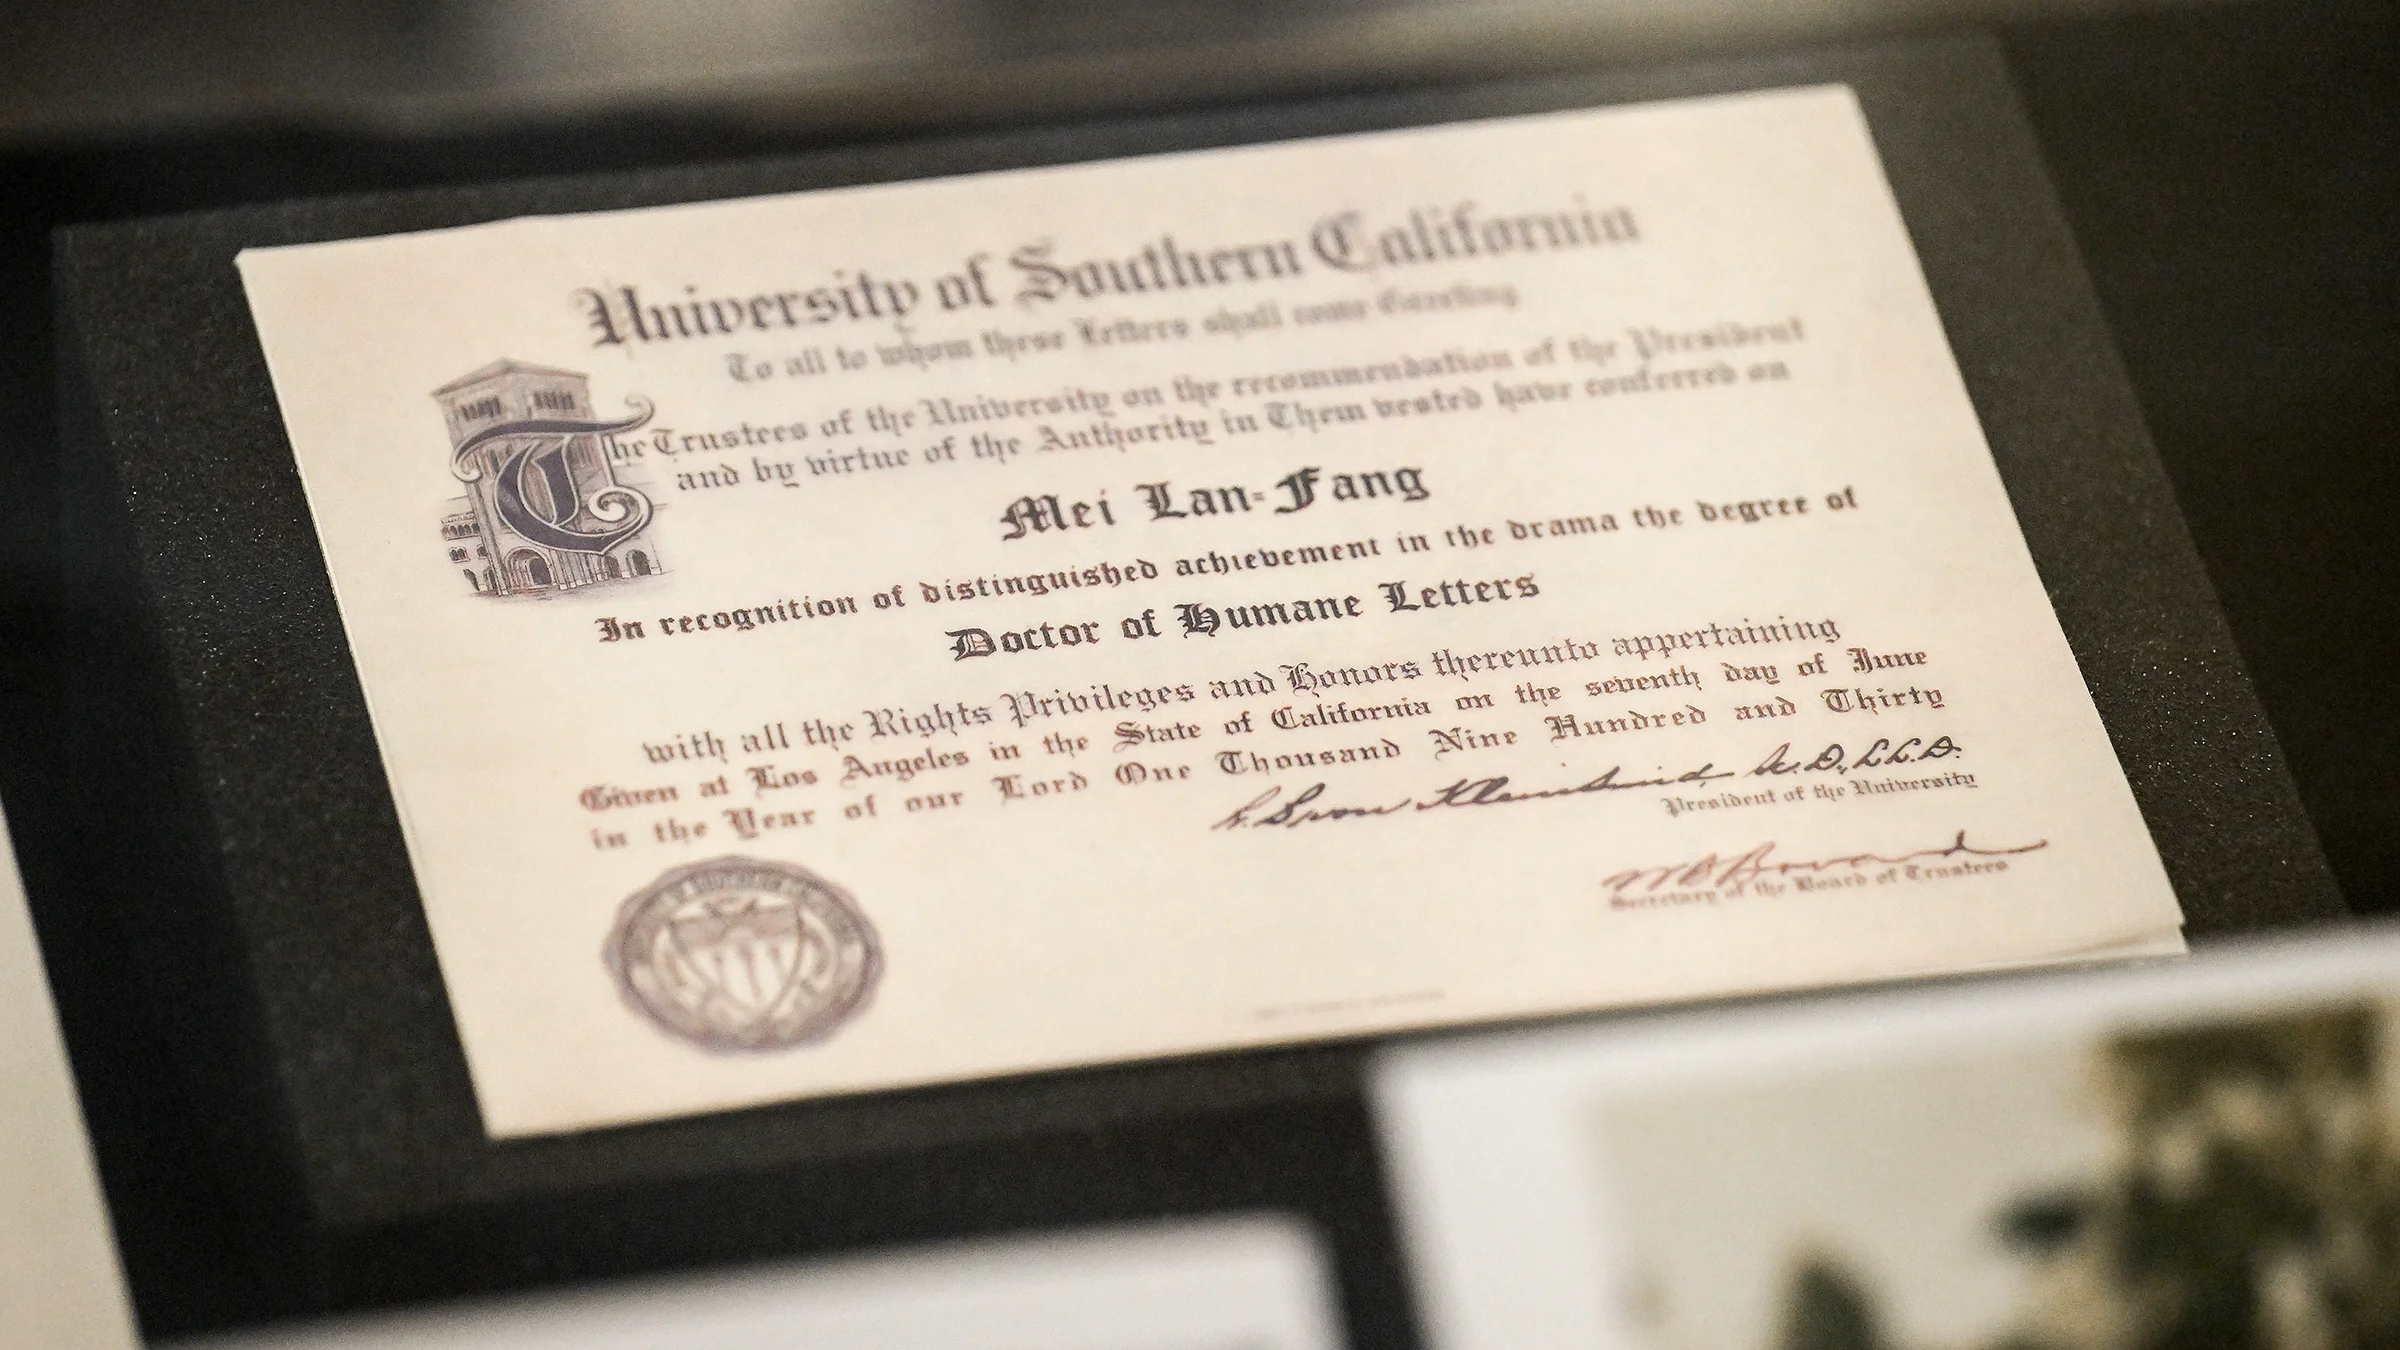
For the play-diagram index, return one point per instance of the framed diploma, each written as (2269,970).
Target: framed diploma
(1164,605)
(959,618)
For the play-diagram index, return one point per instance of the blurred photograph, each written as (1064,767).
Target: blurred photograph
(2228,1183)
(2166,1157)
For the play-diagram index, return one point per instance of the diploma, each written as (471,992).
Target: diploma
(930,631)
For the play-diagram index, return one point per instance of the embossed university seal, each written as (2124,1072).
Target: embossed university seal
(744,954)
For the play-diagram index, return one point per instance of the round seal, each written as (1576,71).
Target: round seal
(740,954)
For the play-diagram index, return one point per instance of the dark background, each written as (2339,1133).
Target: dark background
(2232,174)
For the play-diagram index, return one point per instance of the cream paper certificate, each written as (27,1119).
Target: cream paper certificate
(928,631)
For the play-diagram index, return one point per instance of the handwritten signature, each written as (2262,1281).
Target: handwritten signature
(1272,810)
(1710,870)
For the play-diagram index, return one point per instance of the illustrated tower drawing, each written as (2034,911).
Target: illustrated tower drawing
(543,510)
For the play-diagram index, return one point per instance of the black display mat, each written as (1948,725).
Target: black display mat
(215,714)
